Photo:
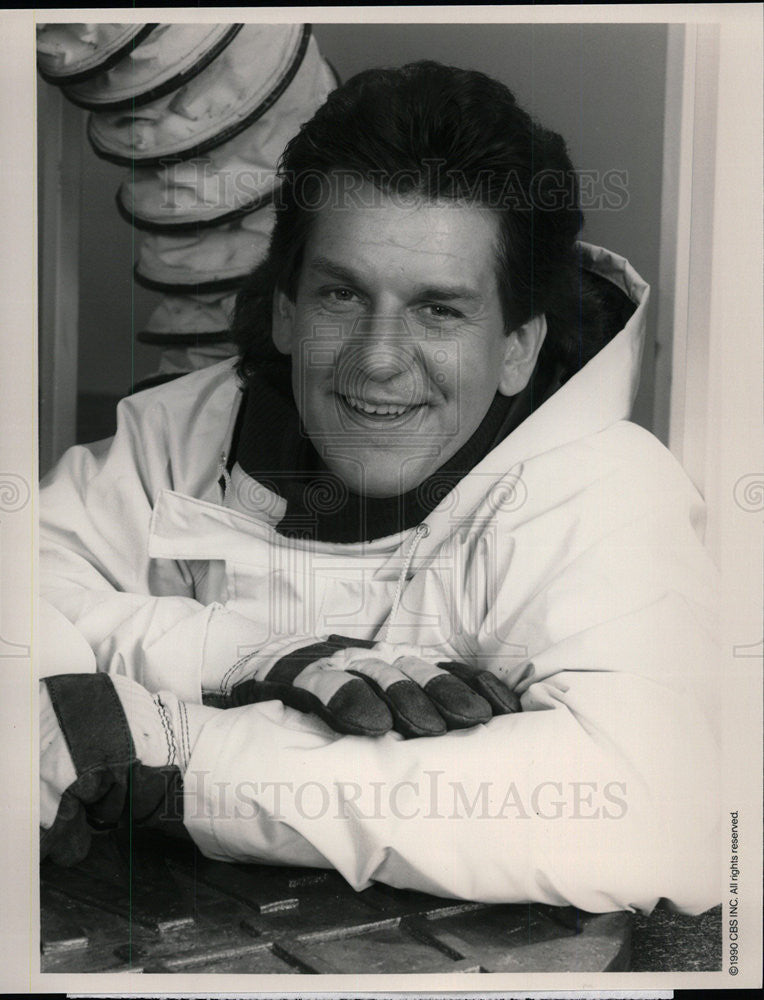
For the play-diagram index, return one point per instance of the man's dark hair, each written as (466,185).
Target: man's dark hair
(440,133)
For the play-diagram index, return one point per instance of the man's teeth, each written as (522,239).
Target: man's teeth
(386,409)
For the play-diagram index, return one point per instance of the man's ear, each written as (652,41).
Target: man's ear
(523,346)
(282,322)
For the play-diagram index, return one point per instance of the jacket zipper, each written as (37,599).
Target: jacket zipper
(422,531)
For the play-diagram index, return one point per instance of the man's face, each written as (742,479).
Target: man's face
(397,338)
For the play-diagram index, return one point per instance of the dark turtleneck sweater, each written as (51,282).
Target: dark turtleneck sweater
(270,445)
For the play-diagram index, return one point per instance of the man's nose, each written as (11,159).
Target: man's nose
(380,348)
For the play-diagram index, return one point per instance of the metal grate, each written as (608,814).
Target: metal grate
(153,904)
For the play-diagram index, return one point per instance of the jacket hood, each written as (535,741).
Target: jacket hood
(599,394)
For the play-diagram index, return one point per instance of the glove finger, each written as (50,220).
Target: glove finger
(457,703)
(67,842)
(500,697)
(413,713)
(346,703)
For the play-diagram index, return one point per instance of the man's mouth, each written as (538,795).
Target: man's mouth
(380,411)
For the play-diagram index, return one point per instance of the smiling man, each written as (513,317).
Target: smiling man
(413,507)
(403,297)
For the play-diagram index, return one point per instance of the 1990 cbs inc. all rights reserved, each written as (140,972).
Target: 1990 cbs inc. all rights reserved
(733,924)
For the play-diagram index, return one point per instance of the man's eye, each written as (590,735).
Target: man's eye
(436,311)
(338,296)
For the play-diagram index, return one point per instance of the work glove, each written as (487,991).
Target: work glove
(365,688)
(109,756)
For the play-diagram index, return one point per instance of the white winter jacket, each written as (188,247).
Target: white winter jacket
(572,547)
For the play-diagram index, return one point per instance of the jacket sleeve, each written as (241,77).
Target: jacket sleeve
(139,616)
(601,794)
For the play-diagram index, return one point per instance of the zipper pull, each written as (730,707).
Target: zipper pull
(224,475)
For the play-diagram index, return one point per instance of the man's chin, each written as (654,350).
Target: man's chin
(372,480)
(373,468)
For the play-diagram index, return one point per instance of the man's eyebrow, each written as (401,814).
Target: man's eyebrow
(449,293)
(333,270)
(445,292)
